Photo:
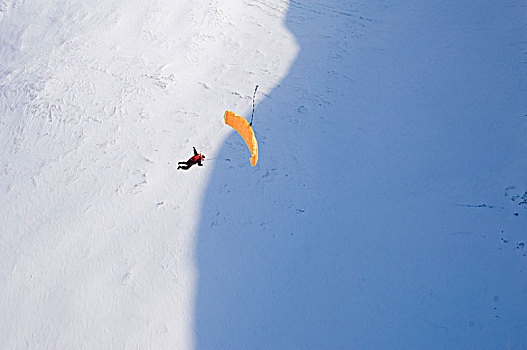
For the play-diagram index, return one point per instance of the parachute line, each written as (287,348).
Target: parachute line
(252,114)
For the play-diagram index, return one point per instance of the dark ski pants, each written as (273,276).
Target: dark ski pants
(186,165)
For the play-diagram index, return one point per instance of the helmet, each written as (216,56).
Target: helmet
(203,156)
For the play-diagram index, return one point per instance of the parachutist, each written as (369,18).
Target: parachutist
(196,158)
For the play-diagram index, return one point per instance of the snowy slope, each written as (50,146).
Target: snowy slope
(381,215)
(98,103)
(386,209)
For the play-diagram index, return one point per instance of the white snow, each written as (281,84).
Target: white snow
(388,208)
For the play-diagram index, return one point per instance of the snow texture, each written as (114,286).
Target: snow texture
(388,209)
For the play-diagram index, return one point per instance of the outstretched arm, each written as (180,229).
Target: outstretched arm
(195,152)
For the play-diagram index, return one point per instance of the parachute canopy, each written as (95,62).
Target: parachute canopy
(243,128)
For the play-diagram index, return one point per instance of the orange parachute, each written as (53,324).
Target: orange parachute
(243,128)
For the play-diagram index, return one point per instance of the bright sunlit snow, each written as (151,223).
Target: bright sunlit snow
(388,209)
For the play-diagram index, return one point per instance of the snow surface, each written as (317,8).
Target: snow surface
(388,209)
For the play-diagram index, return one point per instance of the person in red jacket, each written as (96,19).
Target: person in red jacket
(196,158)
